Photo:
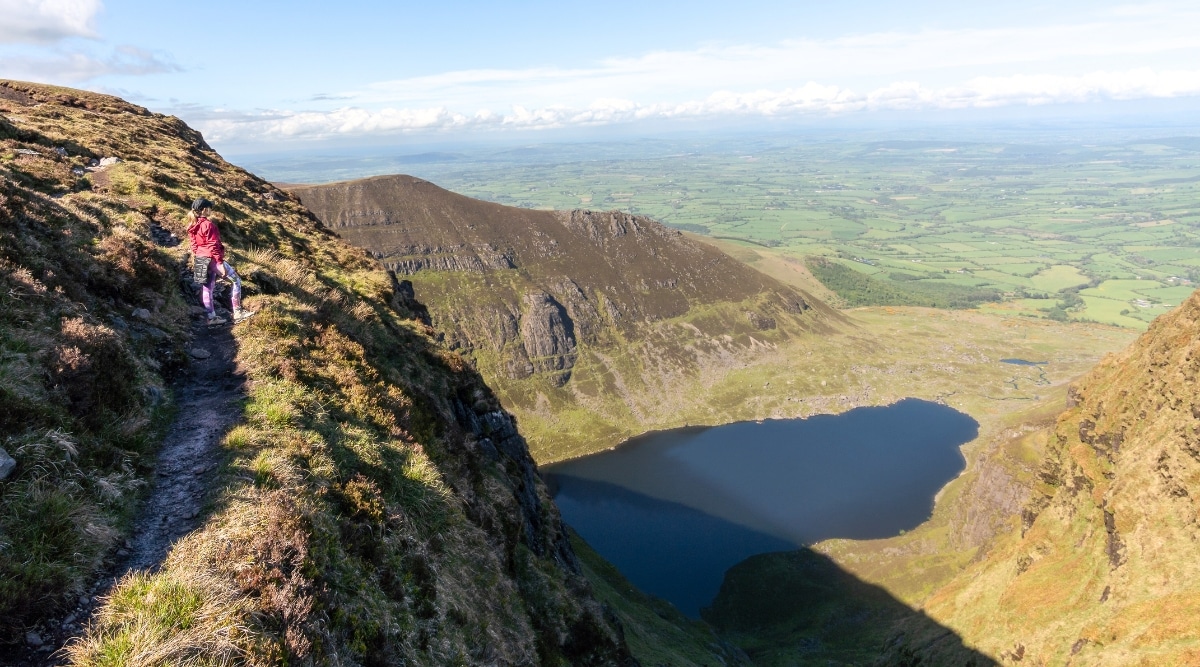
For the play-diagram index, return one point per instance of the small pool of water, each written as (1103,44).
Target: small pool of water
(1023,362)
(673,510)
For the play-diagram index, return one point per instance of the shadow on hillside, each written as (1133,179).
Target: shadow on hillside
(795,607)
(666,549)
(801,608)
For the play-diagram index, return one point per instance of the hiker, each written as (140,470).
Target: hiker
(209,257)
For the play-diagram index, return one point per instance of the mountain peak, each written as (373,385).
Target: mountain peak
(599,312)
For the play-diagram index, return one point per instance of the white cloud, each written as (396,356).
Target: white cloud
(74,67)
(46,21)
(1160,39)
(809,100)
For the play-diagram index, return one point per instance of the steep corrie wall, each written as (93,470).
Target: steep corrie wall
(375,505)
(1104,566)
(592,325)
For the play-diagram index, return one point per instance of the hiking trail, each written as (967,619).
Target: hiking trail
(207,396)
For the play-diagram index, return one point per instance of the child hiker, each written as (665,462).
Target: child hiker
(210,262)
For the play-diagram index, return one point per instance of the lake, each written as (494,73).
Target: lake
(674,510)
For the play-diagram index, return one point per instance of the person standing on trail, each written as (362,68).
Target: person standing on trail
(210,262)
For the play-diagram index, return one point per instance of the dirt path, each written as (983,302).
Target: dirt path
(207,398)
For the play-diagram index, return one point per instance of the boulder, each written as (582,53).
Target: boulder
(7,464)
(760,322)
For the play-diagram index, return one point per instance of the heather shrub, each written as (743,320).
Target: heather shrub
(94,370)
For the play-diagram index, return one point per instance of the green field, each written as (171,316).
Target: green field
(1029,218)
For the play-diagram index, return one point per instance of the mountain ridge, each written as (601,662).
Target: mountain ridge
(598,314)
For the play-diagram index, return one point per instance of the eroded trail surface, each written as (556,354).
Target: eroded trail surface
(208,407)
(207,397)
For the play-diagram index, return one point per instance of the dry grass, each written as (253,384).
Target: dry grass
(1103,569)
(178,619)
(80,384)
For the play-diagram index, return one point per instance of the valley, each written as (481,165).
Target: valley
(674,510)
(692,348)
(371,489)
(704,359)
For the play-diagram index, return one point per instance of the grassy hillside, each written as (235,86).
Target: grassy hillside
(374,504)
(657,632)
(83,398)
(1102,567)
(801,608)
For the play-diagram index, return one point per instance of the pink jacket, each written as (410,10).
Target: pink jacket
(206,240)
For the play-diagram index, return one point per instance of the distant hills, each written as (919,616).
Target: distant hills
(604,317)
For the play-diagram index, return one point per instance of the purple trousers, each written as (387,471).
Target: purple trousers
(206,290)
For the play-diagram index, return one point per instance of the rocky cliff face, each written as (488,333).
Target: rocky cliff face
(598,314)
(374,504)
(1101,567)
(548,337)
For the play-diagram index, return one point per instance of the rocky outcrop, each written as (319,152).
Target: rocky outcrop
(404,299)
(476,259)
(585,318)
(7,464)
(548,336)
(795,305)
(601,225)
(760,322)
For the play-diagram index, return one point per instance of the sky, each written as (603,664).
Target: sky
(252,75)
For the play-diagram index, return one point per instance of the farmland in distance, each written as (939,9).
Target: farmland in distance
(1057,227)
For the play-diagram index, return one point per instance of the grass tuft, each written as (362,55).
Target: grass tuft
(166,620)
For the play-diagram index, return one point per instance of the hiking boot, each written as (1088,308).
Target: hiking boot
(241,315)
(216,320)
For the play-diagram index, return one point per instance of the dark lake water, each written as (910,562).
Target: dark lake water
(673,510)
(1023,362)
